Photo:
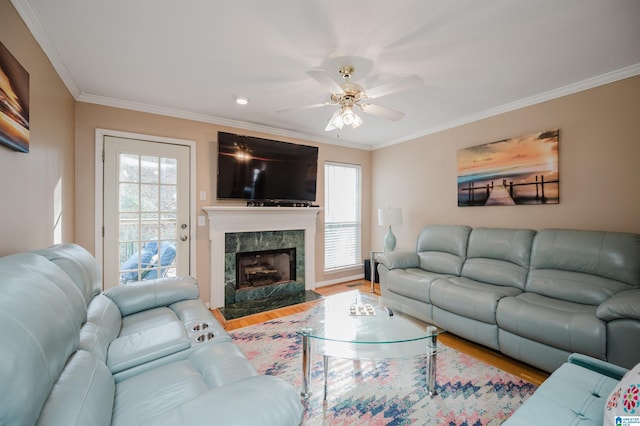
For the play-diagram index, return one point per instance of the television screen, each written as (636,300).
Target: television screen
(261,169)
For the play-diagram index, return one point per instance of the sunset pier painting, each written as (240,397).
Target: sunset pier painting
(516,171)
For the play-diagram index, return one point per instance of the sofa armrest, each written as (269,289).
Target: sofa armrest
(624,305)
(143,295)
(399,260)
(597,365)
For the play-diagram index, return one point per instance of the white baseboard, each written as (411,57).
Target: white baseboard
(339,280)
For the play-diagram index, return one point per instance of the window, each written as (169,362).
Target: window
(341,215)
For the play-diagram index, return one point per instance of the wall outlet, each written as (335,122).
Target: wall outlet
(201,220)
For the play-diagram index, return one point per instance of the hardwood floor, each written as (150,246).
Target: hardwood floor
(489,356)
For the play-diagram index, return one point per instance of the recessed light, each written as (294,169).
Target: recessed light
(242,100)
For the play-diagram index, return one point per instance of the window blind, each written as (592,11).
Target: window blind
(342,232)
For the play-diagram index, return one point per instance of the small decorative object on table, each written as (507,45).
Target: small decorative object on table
(357,309)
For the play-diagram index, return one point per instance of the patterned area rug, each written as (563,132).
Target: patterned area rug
(470,392)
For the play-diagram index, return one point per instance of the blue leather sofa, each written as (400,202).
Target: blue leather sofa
(536,296)
(148,353)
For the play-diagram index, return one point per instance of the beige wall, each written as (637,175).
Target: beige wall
(599,167)
(37,189)
(90,116)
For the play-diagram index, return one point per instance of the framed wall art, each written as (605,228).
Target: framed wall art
(516,171)
(14,102)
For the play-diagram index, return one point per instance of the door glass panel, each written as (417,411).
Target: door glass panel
(168,171)
(149,197)
(149,169)
(129,230)
(168,229)
(129,197)
(168,198)
(147,217)
(129,168)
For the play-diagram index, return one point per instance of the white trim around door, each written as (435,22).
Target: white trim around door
(99,188)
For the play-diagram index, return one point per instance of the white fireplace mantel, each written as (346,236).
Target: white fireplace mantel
(227,219)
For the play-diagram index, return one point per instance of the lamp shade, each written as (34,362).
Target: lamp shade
(390,216)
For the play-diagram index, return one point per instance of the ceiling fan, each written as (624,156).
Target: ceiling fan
(350,96)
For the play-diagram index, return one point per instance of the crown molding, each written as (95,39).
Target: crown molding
(569,89)
(206,118)
(35,27)
(42,38)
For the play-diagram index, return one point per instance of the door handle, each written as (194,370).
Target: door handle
(184,238)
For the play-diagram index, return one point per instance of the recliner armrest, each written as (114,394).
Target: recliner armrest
(399,260)
(624,305)
(597,365)
(143,295)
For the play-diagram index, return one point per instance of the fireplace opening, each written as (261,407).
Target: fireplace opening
(265,267)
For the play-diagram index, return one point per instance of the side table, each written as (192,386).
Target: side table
(372,266)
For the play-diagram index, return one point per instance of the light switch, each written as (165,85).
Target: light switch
(203,196)
(201,220)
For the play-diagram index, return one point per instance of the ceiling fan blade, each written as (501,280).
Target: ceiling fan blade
(380,111)
(395,86)
(300,108)
(325,80)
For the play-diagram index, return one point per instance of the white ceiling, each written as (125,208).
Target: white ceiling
(189,58)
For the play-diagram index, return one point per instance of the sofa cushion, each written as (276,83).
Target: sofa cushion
(469,298)
(147,345)
(41,311)
(499,256)
(150,395)
(569,326)
(147,319)
(584,266)
(79,264)
(575,287)
(413,282)
(273,402)
(83,395)
(442,248)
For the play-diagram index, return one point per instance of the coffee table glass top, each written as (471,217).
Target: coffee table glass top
(356,325)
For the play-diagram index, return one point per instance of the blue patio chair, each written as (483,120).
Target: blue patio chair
(164,260)
(143,258)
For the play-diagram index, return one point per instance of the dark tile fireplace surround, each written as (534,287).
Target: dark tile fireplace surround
(241,229)
(264,270)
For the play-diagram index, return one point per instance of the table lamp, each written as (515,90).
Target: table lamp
(387,217)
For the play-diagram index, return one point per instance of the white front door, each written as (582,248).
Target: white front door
(146,210)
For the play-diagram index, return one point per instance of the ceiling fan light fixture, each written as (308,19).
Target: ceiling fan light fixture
(344,116)
(357,122)
(242,100)
(335,122)
(348,116)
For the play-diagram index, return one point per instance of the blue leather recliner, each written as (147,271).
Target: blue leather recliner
(146,353)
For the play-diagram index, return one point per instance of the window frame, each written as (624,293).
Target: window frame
(356,225)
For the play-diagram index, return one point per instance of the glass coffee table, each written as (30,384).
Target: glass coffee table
(357,326)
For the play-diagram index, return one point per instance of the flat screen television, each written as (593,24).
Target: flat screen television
(258,169)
